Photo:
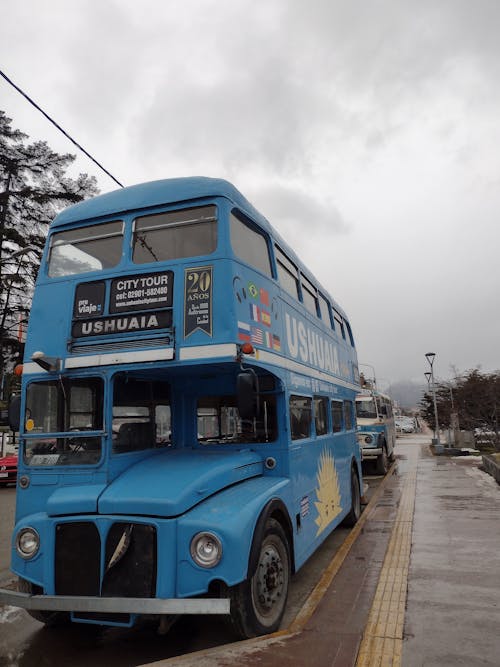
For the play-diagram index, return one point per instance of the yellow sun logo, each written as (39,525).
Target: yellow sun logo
(328,492)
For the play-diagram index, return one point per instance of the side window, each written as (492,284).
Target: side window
(349,332)
(309,297)
(324,309)
(320,414)
(288,275)
(339,324)
(250,245)
(300,417)
(337,412)
(349,423)
(219,421)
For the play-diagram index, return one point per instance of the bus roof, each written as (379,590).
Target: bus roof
(155,193)
(173,191)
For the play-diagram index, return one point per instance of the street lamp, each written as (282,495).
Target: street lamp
(430,356)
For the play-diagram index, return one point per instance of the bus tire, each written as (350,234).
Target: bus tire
(258,603)
(51,619)
(355,512)
(383,461)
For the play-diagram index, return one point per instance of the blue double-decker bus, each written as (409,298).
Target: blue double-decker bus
(187,420)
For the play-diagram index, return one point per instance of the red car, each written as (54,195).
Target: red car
(8,470)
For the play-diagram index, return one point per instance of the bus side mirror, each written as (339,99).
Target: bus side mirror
(15,413)
(383,410)
(247,393)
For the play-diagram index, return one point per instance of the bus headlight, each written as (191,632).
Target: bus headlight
(206,549)
(368,439)
(27,542)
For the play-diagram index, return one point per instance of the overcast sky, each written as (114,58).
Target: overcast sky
(367,132)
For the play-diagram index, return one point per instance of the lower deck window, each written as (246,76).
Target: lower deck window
(219,421)
(300,417)
(70,406)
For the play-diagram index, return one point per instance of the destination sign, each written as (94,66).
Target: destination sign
(147,291)
(116,324)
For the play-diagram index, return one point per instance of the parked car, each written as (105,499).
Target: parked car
(405,424)
(8,470)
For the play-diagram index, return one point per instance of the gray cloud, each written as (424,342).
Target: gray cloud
(366,132)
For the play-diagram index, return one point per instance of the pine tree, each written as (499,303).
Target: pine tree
(34,187)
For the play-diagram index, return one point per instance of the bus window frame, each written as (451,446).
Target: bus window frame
(299,421)
(54,243)
(172,225)
(307,287)
(338,403)
(288,268)
(253,227)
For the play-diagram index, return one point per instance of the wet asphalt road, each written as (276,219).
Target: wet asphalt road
(26,643)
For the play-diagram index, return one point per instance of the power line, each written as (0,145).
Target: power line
(59,128)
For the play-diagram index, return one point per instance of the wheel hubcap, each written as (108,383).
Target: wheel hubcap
(269,579)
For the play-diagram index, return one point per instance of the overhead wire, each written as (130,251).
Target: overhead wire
(49,118)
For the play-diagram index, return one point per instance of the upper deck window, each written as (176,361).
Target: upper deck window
(349,332)
(287,273)
(188,232)
(85,249)
(250,245)
(324,310)
(309,295)
(339,324)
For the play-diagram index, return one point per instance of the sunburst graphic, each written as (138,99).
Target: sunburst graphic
(327,493)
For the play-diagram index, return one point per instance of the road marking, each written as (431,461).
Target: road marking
(382,643)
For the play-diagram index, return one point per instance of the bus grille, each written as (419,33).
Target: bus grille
(163,341)
(130,560)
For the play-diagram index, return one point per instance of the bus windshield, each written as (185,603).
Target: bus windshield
(65,406)
(366,408)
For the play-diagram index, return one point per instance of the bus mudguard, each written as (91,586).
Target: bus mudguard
(275,508)
(233,516)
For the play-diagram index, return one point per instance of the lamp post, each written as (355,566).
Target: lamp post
(428,378)
(430,356)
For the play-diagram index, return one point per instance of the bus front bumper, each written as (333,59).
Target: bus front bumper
(371,453)
(82,603)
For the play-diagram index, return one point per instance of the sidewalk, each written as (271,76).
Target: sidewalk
(419,585)
(453,604)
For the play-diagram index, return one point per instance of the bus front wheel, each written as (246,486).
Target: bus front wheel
(258,603)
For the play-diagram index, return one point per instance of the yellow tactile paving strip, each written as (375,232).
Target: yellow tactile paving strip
(382,643)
